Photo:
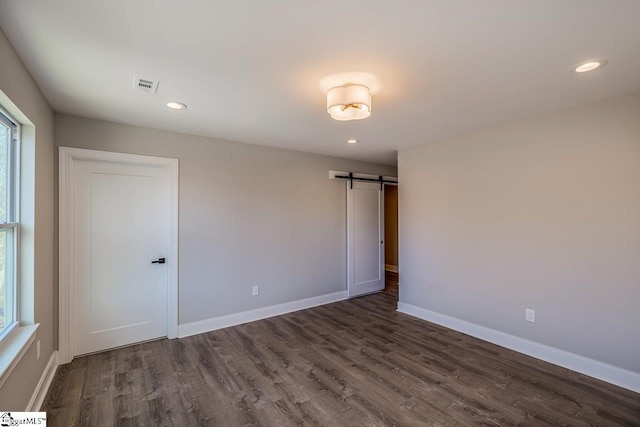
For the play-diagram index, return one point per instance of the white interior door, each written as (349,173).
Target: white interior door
(365,238)
(121,224)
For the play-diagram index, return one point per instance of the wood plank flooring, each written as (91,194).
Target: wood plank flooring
(352,363)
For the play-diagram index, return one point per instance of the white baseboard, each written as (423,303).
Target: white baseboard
(392,268)
(602,371)
(221,322)
(37,399)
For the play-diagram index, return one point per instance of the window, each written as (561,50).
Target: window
(9,134)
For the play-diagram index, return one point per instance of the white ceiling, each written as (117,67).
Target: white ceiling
(251,70)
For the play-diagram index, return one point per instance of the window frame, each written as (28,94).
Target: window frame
(12,220)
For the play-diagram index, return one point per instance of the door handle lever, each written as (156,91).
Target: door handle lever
(159,261)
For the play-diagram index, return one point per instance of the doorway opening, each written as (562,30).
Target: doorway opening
(366,237)
(391,238)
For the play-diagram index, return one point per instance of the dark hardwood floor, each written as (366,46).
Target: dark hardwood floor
(352,363)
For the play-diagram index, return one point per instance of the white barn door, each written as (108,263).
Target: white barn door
(365,238)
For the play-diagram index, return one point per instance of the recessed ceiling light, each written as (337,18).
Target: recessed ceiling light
(590,65)
(351,141)
(174,105)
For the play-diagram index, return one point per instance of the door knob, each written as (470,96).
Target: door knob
(159,261)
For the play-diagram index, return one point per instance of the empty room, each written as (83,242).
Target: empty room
(275,213)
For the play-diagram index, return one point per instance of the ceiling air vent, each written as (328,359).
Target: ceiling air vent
(145,85)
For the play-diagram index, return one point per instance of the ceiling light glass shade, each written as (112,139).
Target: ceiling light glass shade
(349,102)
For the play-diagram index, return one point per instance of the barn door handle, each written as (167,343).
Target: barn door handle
(159,261)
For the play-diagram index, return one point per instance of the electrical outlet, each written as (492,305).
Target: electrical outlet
(38,350)
(530,315)
(256,290)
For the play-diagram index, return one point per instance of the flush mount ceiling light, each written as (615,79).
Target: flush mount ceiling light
(352,141)
(174,105)
(590,65)
(349,102)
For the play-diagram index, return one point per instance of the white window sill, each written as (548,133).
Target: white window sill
(14,347)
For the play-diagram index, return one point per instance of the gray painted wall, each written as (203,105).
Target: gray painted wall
(249,215)
(38,272)
(541,214)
